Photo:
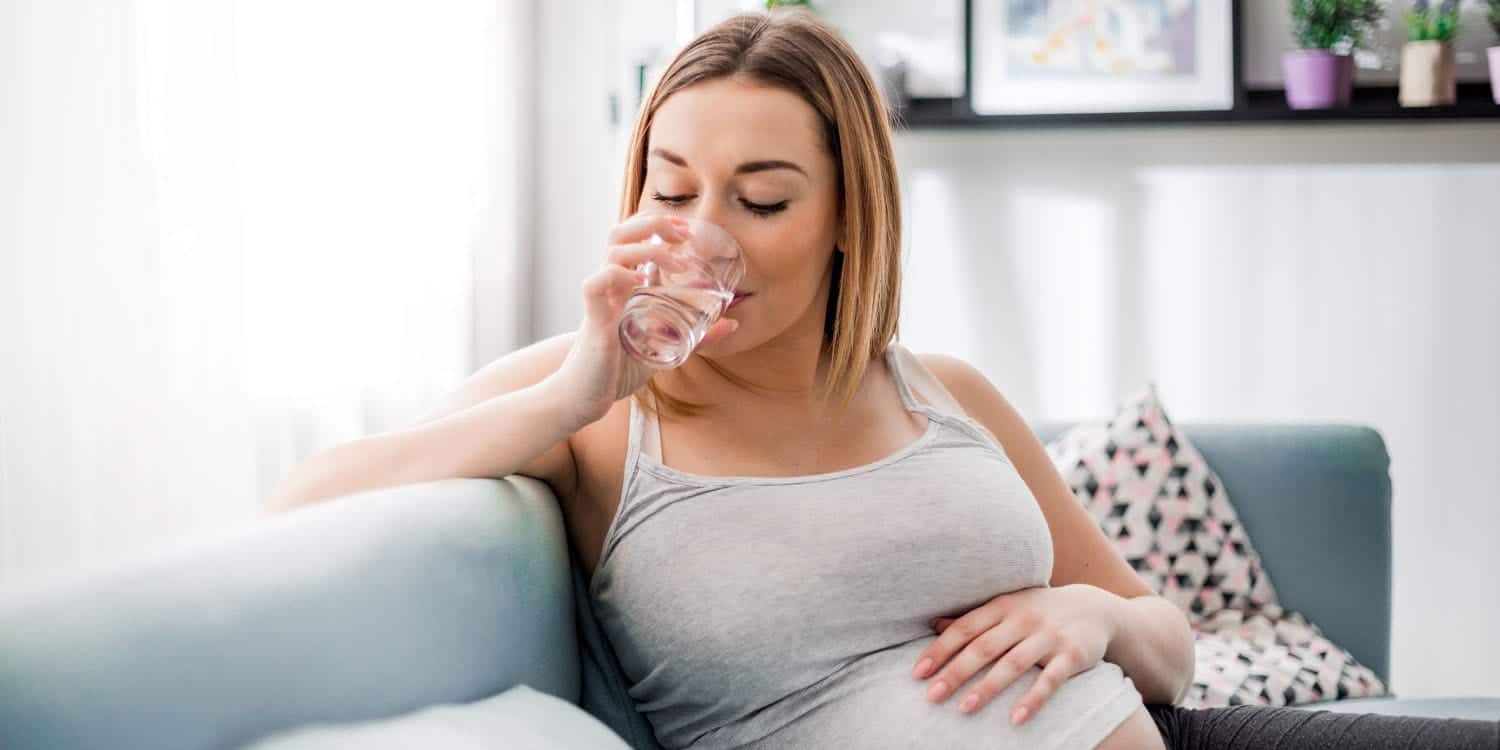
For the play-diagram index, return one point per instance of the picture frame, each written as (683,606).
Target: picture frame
(1102,57)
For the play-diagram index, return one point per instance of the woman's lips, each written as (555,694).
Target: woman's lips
(737,297)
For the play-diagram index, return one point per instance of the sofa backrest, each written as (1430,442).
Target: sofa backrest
(356,609)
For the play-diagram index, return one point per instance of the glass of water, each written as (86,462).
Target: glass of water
(667,317)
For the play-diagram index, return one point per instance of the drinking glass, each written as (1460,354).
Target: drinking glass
(667,317)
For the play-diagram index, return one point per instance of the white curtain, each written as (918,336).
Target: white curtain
(234,233)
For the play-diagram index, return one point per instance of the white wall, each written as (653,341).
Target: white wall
(573,197)
(1267,273)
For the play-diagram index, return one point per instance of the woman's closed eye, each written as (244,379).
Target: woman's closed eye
(759,209)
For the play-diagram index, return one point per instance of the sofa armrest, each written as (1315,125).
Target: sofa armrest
(362,607)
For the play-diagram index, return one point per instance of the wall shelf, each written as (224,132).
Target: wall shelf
(1370,104)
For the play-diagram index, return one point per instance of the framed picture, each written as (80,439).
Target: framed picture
(914,49)
(1048,57)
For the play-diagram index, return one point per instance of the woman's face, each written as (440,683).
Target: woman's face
(751,158)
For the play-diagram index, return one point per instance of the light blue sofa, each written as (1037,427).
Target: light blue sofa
(379,604)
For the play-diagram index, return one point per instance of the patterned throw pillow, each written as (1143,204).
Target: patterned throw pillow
(1170,517)
(1272,657)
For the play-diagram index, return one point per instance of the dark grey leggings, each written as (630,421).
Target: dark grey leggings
(1270,728)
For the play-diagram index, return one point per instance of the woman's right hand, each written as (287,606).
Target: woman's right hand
(597,370)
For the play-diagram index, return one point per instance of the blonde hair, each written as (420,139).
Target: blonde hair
(793,50)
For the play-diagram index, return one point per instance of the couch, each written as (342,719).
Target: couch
(386,602)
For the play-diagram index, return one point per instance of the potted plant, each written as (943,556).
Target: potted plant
(1428,72)
(1320,72)
(1494,6)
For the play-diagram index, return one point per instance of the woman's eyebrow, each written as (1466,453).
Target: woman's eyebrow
(746,168)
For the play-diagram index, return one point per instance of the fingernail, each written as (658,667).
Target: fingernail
(1019,715)
(923,667)
(938,691)
(971,701)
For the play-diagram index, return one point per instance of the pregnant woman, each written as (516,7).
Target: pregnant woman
(807,536)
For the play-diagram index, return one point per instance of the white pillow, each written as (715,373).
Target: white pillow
(518,719)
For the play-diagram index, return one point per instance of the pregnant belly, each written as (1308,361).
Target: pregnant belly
(875,703)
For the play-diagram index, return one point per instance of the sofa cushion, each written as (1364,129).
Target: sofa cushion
(517,719)
(1164,508)
(1167,512)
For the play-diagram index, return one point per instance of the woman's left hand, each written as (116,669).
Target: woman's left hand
(1065,630)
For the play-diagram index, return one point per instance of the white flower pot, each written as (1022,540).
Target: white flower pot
(1429,74)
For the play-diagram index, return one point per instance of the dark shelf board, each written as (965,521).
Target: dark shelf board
(1370,104)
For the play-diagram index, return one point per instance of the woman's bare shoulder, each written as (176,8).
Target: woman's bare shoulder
(957,375)
(967,385)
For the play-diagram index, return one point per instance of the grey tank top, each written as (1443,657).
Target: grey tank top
(770,612)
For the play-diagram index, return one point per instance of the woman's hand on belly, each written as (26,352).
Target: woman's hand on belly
(1065,630)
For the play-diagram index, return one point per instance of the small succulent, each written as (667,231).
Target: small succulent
(1326,24)
(1426,23)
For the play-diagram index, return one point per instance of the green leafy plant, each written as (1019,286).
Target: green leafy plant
(772,4)
(1327,24)
(1494,16)
(1426,23)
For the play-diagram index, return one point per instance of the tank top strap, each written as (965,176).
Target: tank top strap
(645,431)
(920,389)
(924,393)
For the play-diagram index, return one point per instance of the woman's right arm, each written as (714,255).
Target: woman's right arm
(515,415)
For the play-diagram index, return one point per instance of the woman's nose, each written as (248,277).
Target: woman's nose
(712,212)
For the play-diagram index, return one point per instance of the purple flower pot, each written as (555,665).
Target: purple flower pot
(1317,79)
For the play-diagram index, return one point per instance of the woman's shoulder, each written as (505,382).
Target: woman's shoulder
(975,393)
(945,374)
(957,375)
